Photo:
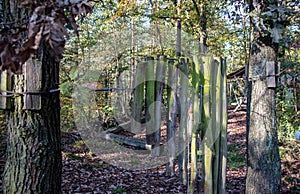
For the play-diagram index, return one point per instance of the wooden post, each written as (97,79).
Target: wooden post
(5,85)
(138,98)
(270,73)
(184,89)
(216,121)
(223,128)
(160,80)
(196,122)
(208,136)
(150,98)
(33,85)
(172,111)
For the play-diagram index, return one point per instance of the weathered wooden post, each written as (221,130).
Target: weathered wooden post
(172,114)
(33,85)
(184,95)
(216,122)
(209,71)
(150,98)
(196,121)
(5,87)
(138,97)
(223,128)
(160,80)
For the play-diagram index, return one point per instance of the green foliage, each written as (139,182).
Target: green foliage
(66,114)
(288,119)
(234,158)
(66,89)
(79,144)
(288,97)
(228,186)
(234,147)
(73,156)
(107,110)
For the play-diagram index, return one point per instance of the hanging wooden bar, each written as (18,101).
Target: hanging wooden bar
(5,86)
(33,85)
(271,73)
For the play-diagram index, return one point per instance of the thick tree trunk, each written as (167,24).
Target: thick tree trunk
(33,144)
(263,172)
(263,162)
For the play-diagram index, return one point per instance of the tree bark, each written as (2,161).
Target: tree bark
(263,161)
(33,136)
(33,145)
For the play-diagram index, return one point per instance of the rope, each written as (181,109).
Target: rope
(33,92)
(110,89)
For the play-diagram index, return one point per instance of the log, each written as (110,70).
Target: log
(130,141)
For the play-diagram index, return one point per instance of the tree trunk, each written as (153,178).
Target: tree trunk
(263,161)
(33,144)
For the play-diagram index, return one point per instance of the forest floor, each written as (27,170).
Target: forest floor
(84,172)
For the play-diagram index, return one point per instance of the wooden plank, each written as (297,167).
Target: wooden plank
(5,85)
(33,83)
(271,73)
